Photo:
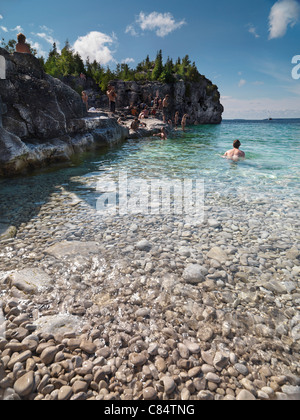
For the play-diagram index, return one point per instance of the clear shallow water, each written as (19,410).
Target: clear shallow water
(271,170)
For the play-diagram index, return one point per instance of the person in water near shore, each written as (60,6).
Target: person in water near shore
(183,121)
(21,46)
(235,154)
(162,135)
(176,119)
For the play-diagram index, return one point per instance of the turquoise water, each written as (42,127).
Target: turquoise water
(271,169)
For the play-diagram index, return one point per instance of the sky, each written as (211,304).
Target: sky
(250,50)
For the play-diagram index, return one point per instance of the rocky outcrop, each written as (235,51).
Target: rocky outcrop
(201,101)
(43,121)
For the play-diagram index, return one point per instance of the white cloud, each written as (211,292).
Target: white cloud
(242,83)
(48,38)
(252,30)
(161,23)
(96,46)
(4,29)
(131,30)
(37,46)
(46,29)
(283,14)
(1,17)
(17,29)
(128,60)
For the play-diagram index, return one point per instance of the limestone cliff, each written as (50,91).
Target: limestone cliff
(200,100)
(42,120)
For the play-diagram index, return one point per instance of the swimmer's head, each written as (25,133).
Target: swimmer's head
(236,144)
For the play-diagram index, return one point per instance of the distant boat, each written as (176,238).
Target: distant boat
(269,118)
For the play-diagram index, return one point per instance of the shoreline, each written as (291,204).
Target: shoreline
(139,308)
(84,135)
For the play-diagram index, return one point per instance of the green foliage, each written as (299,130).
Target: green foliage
(158,67)
(68,63)
(123,72)
(10,46)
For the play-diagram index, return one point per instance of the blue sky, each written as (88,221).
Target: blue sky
(244,47)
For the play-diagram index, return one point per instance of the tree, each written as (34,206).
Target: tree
(51,66)
(69,63)
(10,46)
(66,63)
(158,67)
(167,75)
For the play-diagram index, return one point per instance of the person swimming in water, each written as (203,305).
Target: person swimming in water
(235,154)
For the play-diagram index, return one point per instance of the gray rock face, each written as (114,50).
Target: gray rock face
(200,100)
(42,120)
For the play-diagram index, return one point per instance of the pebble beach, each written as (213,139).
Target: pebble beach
(148,307)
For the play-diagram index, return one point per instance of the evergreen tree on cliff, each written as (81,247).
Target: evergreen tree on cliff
(159,67)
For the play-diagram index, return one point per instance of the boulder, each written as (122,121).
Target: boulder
(194,274)
(218,254)
(30,280)
(58,324)
(7,231)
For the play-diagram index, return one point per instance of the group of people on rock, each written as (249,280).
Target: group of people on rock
(144,110)
(149,108)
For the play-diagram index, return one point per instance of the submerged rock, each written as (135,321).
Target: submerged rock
(30,280)
(7,232)
(194,273)
(73,249)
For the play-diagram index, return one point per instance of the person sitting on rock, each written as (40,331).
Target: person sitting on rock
(122,119)
(21,46)
(136,124)
(144,113)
